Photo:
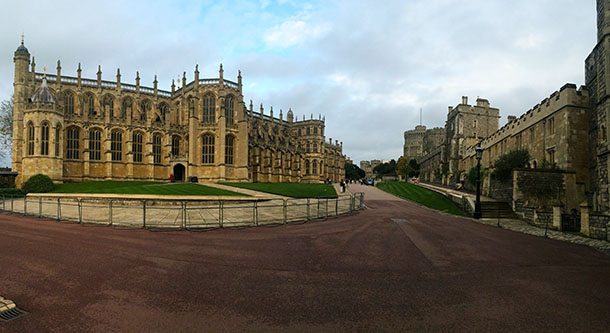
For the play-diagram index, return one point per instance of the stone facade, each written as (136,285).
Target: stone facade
(421,141)
(551,131)
(445,147)
(466,125)
(74,129)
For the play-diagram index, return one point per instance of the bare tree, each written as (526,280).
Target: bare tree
(6,127)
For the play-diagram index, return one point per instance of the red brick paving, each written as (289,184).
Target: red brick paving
(395,266)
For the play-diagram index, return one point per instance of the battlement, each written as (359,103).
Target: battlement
(567,96)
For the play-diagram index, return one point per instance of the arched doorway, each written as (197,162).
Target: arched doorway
(179,172)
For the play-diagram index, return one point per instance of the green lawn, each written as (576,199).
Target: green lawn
(141,187)
(421,196)
(294,190)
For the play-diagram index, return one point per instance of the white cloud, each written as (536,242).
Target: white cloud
(294,32)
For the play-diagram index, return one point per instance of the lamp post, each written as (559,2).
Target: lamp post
(477,203)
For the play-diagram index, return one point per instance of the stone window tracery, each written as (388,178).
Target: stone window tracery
(209,109)
(57,139)
(157,148)
(30,139)
(44,139)
(69,103)
(137,147)
(229,105)
(229,149)
(116,145)
(207,149)
(95,145)
(175,146)
(73,143)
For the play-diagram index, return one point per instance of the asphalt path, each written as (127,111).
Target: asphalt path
(395,267)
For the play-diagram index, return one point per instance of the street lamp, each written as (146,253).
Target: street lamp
(477,203)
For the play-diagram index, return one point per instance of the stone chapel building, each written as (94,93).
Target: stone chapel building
(77,129)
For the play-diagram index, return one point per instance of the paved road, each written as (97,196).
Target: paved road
(394,267)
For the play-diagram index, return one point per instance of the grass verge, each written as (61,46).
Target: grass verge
(294,190)
(421,196)
(142,187)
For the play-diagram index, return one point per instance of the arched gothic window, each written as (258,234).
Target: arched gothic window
(209,109)
(207,149)
(30,139)
(95,144)
(73,143)
(136,146)
(57,139)
(157,148)
(175,146)
(229,149)
(229,105)
(44,139)
(68,103)
(315,167)
(306,167)
(116,145)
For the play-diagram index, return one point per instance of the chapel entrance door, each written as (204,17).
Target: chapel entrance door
(179,171)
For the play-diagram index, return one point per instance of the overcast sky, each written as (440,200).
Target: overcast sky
(367,66)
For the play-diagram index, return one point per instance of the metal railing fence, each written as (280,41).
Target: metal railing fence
(181,214)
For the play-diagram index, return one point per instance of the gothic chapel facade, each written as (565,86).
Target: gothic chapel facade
(75,129)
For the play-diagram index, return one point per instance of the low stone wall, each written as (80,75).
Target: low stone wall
(501,191)
(598,226)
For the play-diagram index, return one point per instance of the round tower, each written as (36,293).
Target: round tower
(20,95)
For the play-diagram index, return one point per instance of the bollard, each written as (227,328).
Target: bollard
(58,210)
(326,209)
(308,209)
(255,213)
(337,206)
(25,205)
(39,207)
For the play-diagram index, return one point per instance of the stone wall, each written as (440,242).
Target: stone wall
(598,226)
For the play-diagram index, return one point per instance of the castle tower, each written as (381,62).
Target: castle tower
(42,129)
(20,96)
(597,79)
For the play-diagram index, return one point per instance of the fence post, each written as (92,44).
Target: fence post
(183,215)
(144,214)
(318,209)
(220,212)
(25,205)
(80,211)
(326,209)
(39,207)
(110,212)
(308,209)
(285,211)
(12,207)
(337,206)
(58,209)
(256,213)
